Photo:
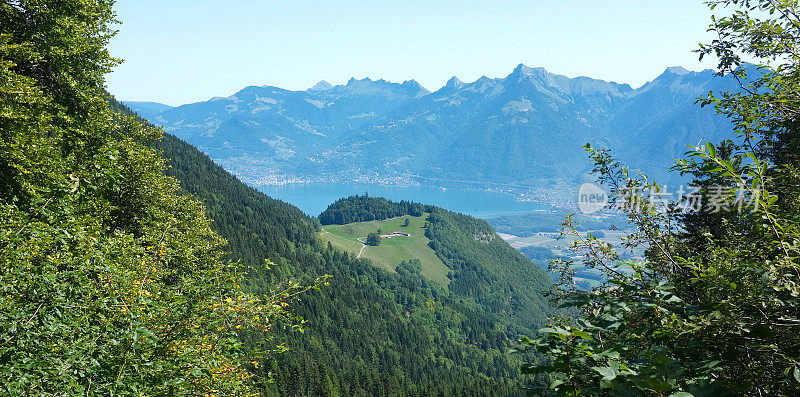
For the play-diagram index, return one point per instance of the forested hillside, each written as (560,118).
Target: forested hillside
(486,270)
(483,269)
(370,332)
(365,208)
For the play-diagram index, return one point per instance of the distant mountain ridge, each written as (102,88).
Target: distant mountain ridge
(524,130)
(148,109)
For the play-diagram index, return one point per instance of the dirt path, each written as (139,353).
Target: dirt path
(363,245)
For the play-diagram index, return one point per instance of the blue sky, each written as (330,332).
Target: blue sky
(182,51)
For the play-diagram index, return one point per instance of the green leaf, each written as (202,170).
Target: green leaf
(608,373)
(582,334)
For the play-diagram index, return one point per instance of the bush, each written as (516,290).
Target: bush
(374,239)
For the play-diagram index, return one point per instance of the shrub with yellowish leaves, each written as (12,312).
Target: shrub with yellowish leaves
(110,281)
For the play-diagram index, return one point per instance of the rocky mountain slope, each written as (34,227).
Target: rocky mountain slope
(521,131)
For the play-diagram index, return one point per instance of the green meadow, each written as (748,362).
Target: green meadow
(392,251)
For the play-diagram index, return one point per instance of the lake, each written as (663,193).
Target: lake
(313,198)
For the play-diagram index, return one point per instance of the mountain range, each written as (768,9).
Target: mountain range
(523,132)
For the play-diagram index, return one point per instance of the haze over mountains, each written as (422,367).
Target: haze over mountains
(520,133)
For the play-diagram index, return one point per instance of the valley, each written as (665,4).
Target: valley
(377,332)
(523,234)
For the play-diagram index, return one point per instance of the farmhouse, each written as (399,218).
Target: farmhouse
(396,234)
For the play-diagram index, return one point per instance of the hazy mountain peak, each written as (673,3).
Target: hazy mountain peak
(525,74)
(485,81)
(354,81)
(487,85)
(366,86)
(521,69)
(524,128)
(678,79)
(321,86)
(679,70)
(454,83)
(671,74)
(413,85)
(543,81)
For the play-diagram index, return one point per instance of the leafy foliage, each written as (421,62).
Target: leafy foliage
(714,309)
(374,239)
(110,281)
